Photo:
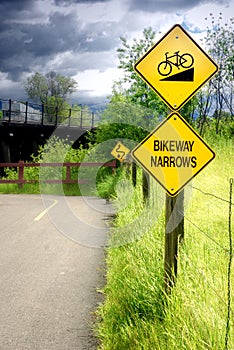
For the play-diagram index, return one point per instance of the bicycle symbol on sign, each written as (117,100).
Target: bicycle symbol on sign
(185,61)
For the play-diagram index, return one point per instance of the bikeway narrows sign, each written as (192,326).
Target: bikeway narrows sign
(173,153)
(176,67)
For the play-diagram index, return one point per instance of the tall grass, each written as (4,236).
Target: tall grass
(136,313)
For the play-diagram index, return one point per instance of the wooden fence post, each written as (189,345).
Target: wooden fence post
(180,215)
(134,173)
(171,244)
(145,185)
(174,231)
(21,174)
(68,173)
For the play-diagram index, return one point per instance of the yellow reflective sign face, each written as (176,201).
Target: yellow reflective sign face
(176,67)
(120,151)
(173,153)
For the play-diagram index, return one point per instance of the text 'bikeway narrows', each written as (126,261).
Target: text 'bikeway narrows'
(172,161)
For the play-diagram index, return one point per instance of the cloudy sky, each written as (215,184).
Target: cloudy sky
(79,38)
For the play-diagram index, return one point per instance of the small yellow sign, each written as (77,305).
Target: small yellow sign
(173,153)
(120,151)
(176,67)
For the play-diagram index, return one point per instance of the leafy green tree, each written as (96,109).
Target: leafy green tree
(132,85)
(37,88)
(52,90)
(124,119)
(134,109)
(41,87)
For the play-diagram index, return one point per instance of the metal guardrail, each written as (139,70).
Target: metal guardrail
(21,165)
(42,114)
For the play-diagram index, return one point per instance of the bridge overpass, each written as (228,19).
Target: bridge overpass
(25,126)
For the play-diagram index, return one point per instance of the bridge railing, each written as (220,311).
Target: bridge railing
(43,114)
(21,165)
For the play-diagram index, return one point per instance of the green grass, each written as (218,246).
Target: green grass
(15,189)
(56,189)
(136,314)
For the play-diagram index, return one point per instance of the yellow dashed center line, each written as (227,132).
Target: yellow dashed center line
(44,212)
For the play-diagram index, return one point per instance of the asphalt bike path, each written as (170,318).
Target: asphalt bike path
(52,264)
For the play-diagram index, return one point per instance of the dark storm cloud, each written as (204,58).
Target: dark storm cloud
(69,2)
(168,5)
(32,36)
(62,35)
(15,5)
(28,44)
(12,32)
(65,32)
(59,34)
(12,11)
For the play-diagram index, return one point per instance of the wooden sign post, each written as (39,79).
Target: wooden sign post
(174,233)
(171,245)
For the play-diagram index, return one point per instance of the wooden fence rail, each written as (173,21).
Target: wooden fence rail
(21,165)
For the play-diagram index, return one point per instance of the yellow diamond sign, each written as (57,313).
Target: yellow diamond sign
(176,67)
(120,151)
(173,153)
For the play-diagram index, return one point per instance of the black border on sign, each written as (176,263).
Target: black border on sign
(153,88)
(153,132)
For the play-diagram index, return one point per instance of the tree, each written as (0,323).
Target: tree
(219,40)
(52,90)
(124,119)
(136,89)
(134,109)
